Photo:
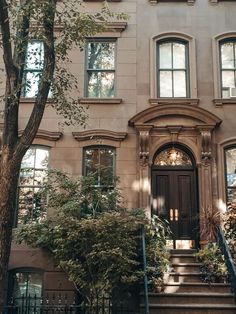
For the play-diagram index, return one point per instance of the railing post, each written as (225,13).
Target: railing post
(145,270)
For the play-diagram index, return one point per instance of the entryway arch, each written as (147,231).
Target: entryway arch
(174,191)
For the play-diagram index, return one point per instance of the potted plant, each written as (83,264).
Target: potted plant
(210,218)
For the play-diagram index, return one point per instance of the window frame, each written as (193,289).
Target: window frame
(172,69)
(227,187)
(30,70)
(87,70)
(46,148)
(84,172)
(221,69)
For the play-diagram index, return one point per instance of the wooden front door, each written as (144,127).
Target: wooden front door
(174,199)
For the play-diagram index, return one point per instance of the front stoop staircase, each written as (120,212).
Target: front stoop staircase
(185,293)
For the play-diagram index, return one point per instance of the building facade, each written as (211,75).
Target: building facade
(161,95)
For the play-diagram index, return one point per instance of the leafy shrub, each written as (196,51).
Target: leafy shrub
(230,229)
(213,267)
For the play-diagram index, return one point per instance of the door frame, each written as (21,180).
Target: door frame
(193,168)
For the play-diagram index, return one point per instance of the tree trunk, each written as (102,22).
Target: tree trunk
(9,173)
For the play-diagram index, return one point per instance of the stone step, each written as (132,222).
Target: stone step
(183,251)
(175,287)
(190,298)
(182,258)
(190,309)
(186,267)
(184,277)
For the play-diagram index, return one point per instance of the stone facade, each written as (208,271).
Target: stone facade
(136,122)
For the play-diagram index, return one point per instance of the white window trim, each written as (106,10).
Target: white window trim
(192,61)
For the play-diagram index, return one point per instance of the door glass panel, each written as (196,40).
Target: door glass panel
(172,157)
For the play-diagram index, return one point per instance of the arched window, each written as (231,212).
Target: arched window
(227,66)
(172,68)
(31,205)
(100,161)
(230,173)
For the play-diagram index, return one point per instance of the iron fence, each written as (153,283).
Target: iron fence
(63,305)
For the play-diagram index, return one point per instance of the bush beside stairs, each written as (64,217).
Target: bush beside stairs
(186,293)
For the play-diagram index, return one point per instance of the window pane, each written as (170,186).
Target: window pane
(225,93)
(166,84)
(101,162)
(179,56)
(35,56)
(227,56)
(231,166)
(179,84)
(231,195)
(165,56)
(41,158)
(228,79)
(101,84)
(29,158)
(31,83)
(101,55)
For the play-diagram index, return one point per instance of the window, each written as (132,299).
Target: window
(230,173)
(31,205)
(172,69)
(25,289)
(227,66)
(33,68)
(100,161)
(100,69)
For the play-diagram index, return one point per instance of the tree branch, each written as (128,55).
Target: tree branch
(34,121)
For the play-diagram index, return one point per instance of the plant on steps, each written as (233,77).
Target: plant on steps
(213,267)
(210,221)
(158,257)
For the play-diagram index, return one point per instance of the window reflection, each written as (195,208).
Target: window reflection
(31,204)
(100,162)
(228,67)
(100,69)
(172,69)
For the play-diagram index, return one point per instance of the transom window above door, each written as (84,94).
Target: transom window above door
(172,68)
(172,156)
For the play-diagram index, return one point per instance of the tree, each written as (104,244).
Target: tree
(90,236)
(21,22)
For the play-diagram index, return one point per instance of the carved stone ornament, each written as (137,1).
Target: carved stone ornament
(144,147)
(206,146)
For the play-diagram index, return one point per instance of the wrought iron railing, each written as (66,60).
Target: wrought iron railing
(146,301)
(61,304)
(228,259)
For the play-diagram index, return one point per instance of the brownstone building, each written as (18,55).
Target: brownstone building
(161,91)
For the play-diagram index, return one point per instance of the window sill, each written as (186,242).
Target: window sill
(169,101)
(30,100)
(102,0)
(219,102)
(191,2)
(100,101)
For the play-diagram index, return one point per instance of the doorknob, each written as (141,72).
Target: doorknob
(171,214)
(176,214)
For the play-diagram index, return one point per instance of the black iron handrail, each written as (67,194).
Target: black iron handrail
(228,259)
(146,302)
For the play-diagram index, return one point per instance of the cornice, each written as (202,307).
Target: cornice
(46,135)
(99,134)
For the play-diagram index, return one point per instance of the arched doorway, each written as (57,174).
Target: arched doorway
(174,193)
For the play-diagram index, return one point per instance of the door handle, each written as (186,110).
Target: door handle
(176,214)
(171,214)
